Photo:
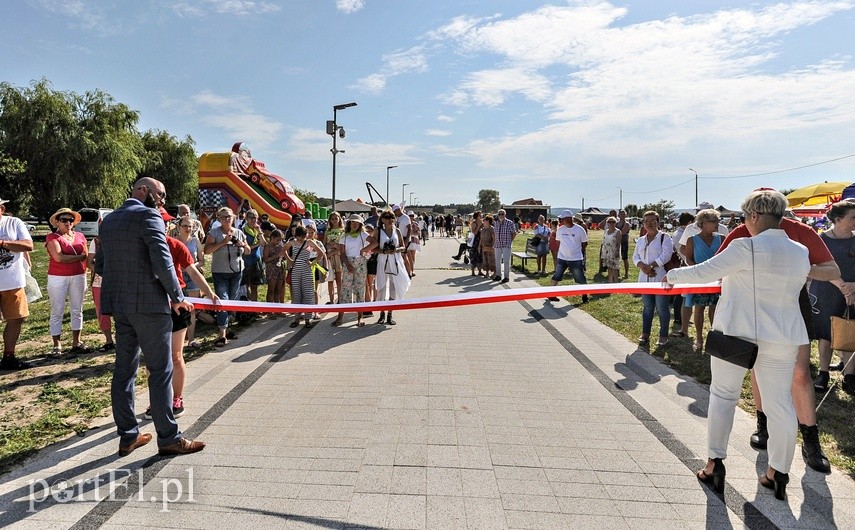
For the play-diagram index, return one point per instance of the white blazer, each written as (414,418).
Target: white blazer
(781,267)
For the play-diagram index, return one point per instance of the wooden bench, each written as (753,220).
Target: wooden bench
(530,253)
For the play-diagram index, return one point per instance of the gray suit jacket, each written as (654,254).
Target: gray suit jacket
(138,274)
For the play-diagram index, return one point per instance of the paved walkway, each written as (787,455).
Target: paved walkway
(512,415)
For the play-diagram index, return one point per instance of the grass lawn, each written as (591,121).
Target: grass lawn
(623,314)
(62,396)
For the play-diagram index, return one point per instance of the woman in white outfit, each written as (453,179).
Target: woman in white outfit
(391,269)
(761,279)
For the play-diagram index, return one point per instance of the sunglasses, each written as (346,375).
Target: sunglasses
(65,219)
(186,226)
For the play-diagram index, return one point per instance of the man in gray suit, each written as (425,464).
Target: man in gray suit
(140,289)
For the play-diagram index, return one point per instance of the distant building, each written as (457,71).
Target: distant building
(528,210)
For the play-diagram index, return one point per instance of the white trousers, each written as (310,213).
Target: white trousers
(774,371)
(503,261)
(59,288)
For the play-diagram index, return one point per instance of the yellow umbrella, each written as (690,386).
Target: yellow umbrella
(821,193)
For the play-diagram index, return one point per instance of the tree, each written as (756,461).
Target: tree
(488,201)
(306,196)
(12,183)
(664,208)
(631,210)
(79,150)
(173,162)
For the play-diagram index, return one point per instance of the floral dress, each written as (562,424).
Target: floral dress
(611,249)
(274,270)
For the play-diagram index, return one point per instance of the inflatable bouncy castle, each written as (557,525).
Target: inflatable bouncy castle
(229,179)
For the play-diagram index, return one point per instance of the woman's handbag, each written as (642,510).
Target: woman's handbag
(843,332)
(733,349)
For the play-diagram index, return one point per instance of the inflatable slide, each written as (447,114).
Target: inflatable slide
(227,179)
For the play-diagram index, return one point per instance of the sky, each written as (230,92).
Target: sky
(569,102)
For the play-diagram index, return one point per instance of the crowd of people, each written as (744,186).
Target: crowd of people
(144,262)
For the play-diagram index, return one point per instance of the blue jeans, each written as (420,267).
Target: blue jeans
(577,269)
(226,285)
(662,305)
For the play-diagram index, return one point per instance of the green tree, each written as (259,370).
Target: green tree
(664,208)
(13,183)
(631,210)
(306,196)
(173,162)
(79,150)
(488,201)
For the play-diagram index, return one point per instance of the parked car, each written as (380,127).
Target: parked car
(90,220)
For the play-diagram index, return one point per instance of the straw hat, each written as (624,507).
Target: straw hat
(62,211)
(356,217)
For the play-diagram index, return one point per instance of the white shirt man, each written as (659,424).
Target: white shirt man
(15,240)
(572,242)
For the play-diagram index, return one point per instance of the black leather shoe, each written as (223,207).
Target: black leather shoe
(778,483)
(820,384)
(812,451)
(760,437)
(10,362)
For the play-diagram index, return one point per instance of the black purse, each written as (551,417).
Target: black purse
(733,349)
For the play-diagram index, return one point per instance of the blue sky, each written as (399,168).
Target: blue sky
(556,101)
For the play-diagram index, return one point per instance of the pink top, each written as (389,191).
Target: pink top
(77,247)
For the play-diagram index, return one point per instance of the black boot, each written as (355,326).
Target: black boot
(761,435)
(849,384)
(811,450)
(389,320)
(820,384)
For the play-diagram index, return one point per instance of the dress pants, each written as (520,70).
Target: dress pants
(774,371)
(151,334)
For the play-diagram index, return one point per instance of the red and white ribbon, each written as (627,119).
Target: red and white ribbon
(461,299)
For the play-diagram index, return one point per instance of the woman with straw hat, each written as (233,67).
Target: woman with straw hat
(66,278)
(355,268)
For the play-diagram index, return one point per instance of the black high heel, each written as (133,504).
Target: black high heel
(779,484)
(716,477)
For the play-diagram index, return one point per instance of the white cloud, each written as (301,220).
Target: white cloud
(438,132)
(394,64)
(85,15)
(230,7)
(445,118)
(312,145)
(349,6)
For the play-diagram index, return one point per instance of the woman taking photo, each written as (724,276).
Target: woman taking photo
(699,248)
(652,251)
(227,245)
(392,278)
(832,298)
(66,278)
(761,280)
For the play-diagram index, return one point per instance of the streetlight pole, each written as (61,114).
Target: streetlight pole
(402,191)
(696,186)
(621,199)
(387,183)
(411,198)
(583,203)
(334,130)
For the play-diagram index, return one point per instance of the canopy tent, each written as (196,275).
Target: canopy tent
(351,206)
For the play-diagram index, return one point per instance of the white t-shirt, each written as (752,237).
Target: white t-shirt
(403,222)
(12,266)
(693,230)
(570,239)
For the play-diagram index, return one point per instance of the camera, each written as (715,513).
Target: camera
(389,246)
(235,240)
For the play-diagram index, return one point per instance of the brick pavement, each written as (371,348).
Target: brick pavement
(513,415)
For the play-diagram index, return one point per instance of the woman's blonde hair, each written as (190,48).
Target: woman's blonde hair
(650,213)
(708,214)
(225,210)
(769,202)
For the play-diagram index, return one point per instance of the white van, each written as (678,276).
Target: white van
(90,219)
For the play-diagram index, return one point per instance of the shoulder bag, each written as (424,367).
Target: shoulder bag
(675,261)
(733,349)
(843,332)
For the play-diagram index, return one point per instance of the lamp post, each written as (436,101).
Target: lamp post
(334,130)
(621,199)
(387,183)
(583,203)
(696,185)
(402,191)
(411,198)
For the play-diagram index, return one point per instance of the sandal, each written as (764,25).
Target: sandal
(56,351)
(336,323)
(698,346)
(360,324)
(107,347)
(80,349)
(231,335)
(220,342)
(192,345)
(293,324)
(677,334)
